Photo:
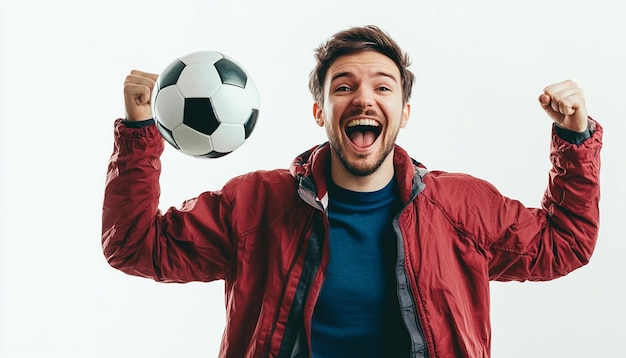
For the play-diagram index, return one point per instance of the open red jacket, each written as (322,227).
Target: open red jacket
(266,235)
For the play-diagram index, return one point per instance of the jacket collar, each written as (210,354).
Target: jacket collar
(312,166)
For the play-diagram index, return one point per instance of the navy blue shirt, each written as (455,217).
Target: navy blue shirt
(357,312)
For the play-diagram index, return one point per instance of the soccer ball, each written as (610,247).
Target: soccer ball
(205,104)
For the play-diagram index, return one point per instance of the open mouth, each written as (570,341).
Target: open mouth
(363,132)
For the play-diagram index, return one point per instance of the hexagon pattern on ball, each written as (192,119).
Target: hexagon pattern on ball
(167,135)
(169,107)
(196,143)
(231,105)
(205,104)
(199,80)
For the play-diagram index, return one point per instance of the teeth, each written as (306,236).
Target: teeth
(363,122)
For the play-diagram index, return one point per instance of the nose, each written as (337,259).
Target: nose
(363,97)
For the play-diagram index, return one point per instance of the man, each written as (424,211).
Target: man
(356,250)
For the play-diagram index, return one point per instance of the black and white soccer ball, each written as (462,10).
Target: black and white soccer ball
(205,104)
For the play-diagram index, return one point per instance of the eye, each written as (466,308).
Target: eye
(342,88)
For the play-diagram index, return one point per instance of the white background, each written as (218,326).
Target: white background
(480,66)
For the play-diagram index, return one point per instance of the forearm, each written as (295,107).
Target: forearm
(131,196)
(543,244)
(573,194)
(180,245)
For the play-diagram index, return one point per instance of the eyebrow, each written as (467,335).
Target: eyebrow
(376,74)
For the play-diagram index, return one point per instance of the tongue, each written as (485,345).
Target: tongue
(362,139)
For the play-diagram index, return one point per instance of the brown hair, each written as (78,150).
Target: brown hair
(354,40)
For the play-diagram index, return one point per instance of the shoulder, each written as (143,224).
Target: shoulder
(264,199)
(461,196)
(274,183)
(258,178)
(460,185)
(472,205)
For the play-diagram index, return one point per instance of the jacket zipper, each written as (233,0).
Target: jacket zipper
(404,290)
(404,287)
(319,206)
(282,297)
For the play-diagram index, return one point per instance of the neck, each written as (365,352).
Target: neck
(361,183)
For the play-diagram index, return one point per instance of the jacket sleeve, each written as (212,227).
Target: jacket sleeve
(551,241)
(182,245)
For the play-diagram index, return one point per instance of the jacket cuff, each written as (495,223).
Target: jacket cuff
(128,130)
(587,151)
(138,124)
(571,136)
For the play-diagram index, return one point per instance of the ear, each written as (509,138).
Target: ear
(406,112)
(318,113)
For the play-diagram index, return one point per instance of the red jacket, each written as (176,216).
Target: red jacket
(266,234)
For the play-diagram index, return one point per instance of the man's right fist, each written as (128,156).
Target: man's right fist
(138,88)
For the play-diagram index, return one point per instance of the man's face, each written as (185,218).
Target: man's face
(363,110)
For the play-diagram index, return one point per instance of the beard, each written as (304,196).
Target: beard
(361,167)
